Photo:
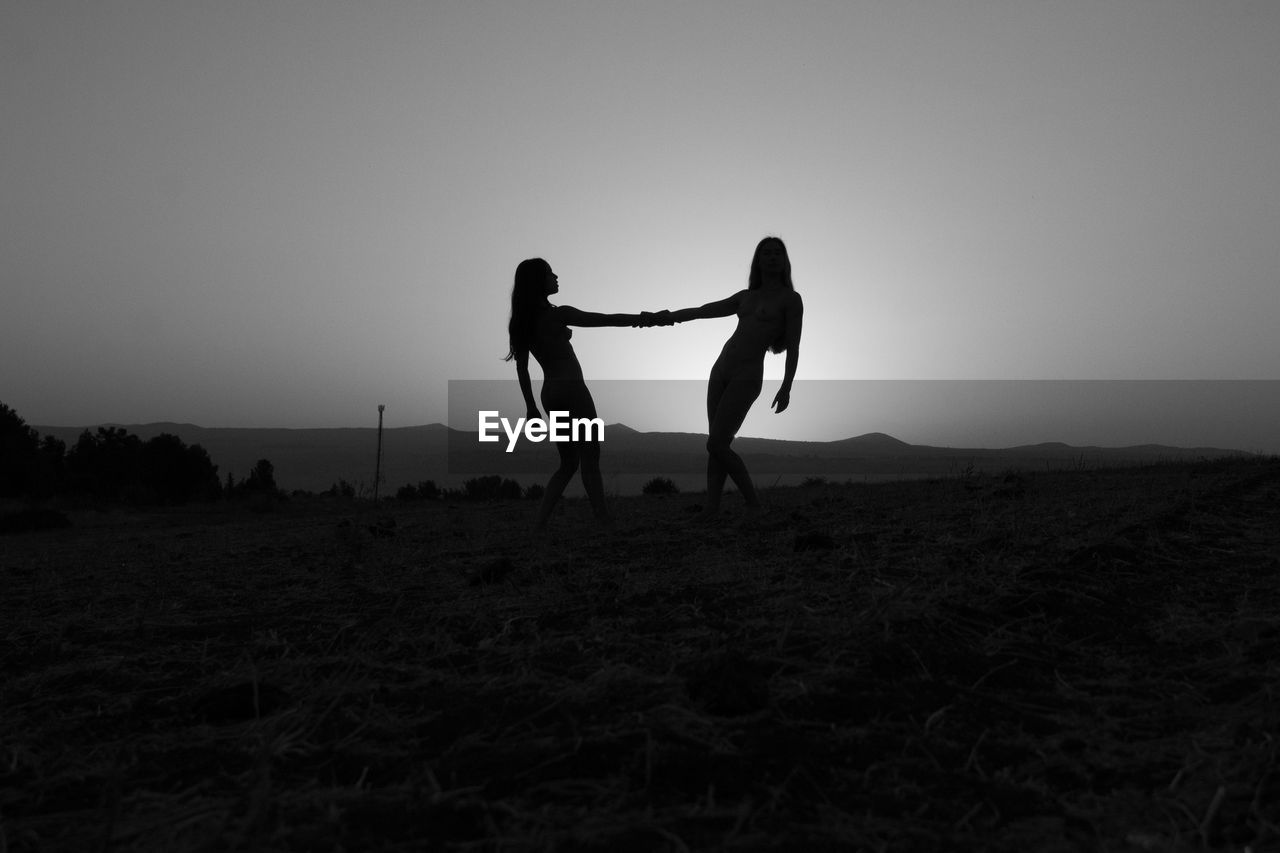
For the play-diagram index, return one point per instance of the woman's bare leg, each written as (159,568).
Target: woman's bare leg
(573,397)
(593,480)
(555,486)
(728,402)
(716,472)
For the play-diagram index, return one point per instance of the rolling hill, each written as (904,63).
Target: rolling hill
(315,459)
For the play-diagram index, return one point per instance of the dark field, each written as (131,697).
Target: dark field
(1082,660)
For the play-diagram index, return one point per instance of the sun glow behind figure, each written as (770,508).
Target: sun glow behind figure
(985,413)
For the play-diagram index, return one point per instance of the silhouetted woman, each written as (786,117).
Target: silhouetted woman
(769,313)
(539,328)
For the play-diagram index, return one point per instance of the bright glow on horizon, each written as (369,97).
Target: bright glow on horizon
(1239,415)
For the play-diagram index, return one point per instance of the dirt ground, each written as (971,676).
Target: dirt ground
(1077,660)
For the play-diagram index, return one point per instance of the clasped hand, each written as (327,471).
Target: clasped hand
(650,318)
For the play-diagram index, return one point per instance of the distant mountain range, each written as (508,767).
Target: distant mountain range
(315,459)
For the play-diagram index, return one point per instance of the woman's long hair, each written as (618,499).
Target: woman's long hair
(755,280)
(528,300)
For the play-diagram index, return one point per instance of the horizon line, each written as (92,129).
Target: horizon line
(867,435)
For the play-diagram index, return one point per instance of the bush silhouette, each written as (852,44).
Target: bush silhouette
(660,486)
(262,479)
(427,490)
(492,487)
(341,489)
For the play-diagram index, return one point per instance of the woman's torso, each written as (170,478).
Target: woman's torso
(551,348)
(563,386)
(762,319)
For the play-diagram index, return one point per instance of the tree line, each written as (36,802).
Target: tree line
(114,466)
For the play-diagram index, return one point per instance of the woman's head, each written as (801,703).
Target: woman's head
(771,259)
(533,283)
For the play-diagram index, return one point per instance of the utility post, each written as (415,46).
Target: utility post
(377,468)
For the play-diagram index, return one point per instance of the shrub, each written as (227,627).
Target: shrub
(427,490)
(492,487)
(262,478)
(482,488)
(341,489)
(660,486)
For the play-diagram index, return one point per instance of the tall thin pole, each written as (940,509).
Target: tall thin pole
(377,470)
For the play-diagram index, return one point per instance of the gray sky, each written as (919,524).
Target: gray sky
(285,213)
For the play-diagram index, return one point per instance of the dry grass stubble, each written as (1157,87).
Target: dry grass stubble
(1077,660)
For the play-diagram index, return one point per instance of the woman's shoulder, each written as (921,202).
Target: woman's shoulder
(792,300)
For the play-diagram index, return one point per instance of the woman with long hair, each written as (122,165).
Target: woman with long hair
(541,329)
(770,313)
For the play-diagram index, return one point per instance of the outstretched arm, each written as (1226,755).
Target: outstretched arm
(722,308)
(571,316)
(526,386)
(795,319)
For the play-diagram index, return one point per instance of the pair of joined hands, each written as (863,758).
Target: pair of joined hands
(652,318)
